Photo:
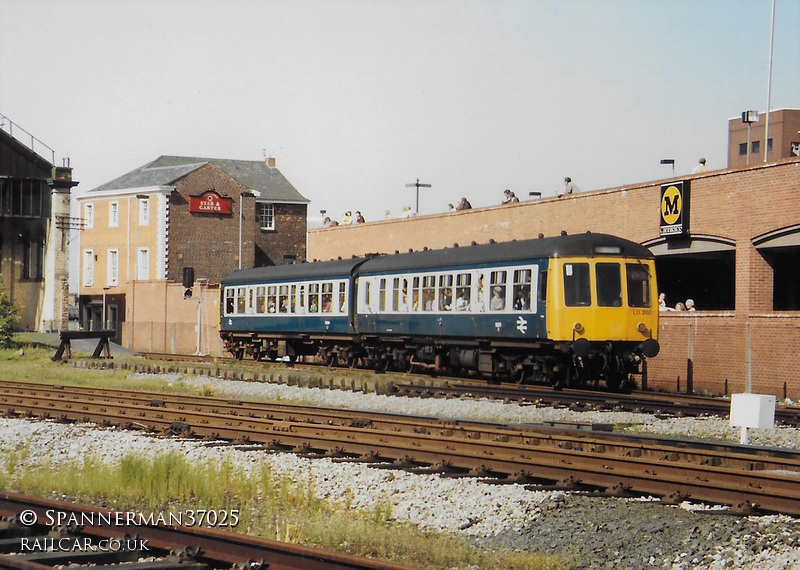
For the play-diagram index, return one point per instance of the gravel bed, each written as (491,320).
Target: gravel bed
(598,532)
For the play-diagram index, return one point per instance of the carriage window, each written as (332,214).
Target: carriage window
(522,290)
(292,299)
(445,292)
(342,297)
(313,297)
(367,295)
(382,295)
(261,300)
(272,298)
(463,291)
(283,299)
(251,300)
(327,297)
(577,289)
(638,281)
(543,286)
(301,300)
(415,295)
(480,295)
(241,300)
(395,305)
(428,292)
(229,300)
(609,285)
(497,287)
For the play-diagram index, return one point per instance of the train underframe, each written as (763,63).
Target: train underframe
(561,364)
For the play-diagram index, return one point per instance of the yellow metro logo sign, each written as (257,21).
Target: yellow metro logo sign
(674,219)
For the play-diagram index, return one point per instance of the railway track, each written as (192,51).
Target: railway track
(658,403)
(89,537)
(749,479)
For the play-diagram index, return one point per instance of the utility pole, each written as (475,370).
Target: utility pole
(418,186)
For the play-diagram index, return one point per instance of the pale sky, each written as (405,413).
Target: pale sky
(356,99)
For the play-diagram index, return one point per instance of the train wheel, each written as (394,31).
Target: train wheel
(238,354)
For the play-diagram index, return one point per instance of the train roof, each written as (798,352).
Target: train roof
(578,245)
(320,269)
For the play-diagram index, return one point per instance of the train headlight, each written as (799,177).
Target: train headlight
(642,328)
(578,328)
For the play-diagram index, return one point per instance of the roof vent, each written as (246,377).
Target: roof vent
(473,242)
(563,232)
(455,244)
(491,240)
(541,236)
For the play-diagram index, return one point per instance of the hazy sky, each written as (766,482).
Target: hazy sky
(356,99)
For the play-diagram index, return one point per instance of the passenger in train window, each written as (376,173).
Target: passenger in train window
(497,303)
(462,304)
(447,299)
(522,301)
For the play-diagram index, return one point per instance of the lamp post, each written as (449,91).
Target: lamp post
(418,186)
(242,196)
(199,351)
(670,161)
(750,117)
(104,325)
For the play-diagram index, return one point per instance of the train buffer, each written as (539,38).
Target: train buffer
(103,343)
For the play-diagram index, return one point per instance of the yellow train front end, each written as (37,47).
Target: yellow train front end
(604,309)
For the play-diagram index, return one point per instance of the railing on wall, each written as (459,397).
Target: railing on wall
(27,139)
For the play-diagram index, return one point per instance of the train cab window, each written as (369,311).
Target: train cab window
(497,287)
(463,291)
(577,286)
(609,285)
(445,292)
(638,281)
(522,290)
(241,300)
(229,300)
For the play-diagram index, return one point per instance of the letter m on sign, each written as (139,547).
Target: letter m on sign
(674,208)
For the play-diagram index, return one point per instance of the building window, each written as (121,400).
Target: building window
(769,145)
(266,216)
(143,263)
(113,267)
(742,149)
(755,147)
(88,216)
(88,267)
(113,214)
(144,212)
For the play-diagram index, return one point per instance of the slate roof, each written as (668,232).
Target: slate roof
(166,170)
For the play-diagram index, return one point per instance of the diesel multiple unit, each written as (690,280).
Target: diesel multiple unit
(568,310)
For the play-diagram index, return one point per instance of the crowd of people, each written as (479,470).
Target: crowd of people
(509,197)
(679,306)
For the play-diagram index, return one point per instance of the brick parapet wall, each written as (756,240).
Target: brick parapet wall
(735,205)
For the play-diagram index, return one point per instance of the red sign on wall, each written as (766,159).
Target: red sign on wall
(209,202)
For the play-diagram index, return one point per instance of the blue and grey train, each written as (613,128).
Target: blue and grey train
(567,310)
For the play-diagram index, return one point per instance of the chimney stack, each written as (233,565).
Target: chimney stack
(271,161)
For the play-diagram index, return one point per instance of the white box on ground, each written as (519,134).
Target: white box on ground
(753,411)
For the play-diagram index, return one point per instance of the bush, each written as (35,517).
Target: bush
(8,319)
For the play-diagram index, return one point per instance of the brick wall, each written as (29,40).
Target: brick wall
(288,237)
(209,242)
(737,205)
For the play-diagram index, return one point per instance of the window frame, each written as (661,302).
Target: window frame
(88,268)
(266,213)
(113,214)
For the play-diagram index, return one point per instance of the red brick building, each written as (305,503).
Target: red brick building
(213,215)
(746,139)
(737,256)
